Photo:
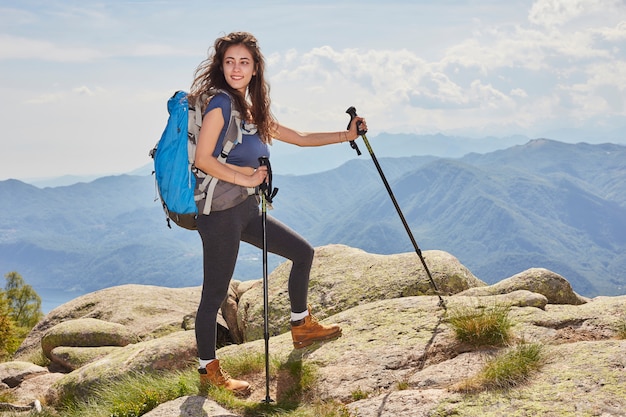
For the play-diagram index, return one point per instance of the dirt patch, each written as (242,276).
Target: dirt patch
(573,334)
(283,387)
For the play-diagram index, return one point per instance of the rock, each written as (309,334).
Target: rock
(175,351)
(406,340)
(229,310)
(402,403)
(71,358)
(14,373)
(397,355)
(190,406)
(518,298)
(343,277)
(148,311)
(227,329)
(86,332)
(522,298)
(244,286)
(33,389)
(539,280)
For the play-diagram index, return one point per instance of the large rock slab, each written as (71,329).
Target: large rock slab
(343,277)
(71,358)
(407,340)
(87,332)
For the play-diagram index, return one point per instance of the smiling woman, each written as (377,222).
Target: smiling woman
(239,68)
(233,77)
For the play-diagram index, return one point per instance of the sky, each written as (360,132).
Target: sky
(84,84)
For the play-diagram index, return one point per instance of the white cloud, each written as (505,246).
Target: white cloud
(83,90)
(551,13)
(555,12)
(519,92)
(45,98)
(492,70)
(16,47)
(63,97)
(613,34)
(155,50)
(470,79)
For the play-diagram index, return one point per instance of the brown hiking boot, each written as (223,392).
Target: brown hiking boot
(308,330)
(214,374)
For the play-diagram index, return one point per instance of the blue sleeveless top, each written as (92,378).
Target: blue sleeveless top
(246,153)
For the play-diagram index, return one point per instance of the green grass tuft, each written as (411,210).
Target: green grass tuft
(481,326)
(132,396)
(248,363)
(359,395)
(403,385)
(507,370)
(138,393)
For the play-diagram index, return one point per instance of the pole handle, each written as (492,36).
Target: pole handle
(352,112)
(266,187)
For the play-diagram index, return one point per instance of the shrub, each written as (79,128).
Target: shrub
(9,340)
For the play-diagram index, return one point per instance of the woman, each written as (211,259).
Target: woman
(237,67)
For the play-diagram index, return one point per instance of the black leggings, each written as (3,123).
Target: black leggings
(221,233)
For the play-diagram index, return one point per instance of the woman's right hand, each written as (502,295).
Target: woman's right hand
(257,178)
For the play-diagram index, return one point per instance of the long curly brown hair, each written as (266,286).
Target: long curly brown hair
(209,76)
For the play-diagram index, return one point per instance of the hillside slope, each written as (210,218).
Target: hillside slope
(544,204)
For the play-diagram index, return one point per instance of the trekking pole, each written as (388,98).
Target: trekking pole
(352,112)
(267,194)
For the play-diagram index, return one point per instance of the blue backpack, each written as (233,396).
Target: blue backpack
(179,184)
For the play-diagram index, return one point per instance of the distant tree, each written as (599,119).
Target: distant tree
(24,302)
(8,335)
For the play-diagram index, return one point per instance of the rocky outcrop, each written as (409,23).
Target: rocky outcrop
(553,286)
(145,310)
(344,277)
(401,354)
(171,352)
(74,343)
(397,351)
(25,381)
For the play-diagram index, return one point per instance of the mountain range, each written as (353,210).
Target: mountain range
(540,204)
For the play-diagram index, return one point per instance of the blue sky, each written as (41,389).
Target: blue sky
(84,84)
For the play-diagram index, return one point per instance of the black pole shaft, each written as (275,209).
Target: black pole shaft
(404,222)
(352,112)
(266,331)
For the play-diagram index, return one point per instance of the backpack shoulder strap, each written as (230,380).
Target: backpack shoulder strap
(206,184)
(233,131)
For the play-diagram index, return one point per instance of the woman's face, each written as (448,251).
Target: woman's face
(238,67)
